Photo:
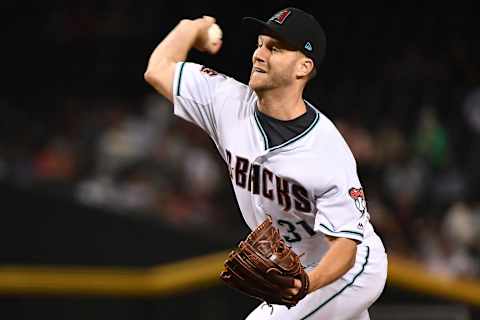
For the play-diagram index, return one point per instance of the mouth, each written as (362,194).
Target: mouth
(257,69)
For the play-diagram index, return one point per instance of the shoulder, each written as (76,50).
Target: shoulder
(329,144)
(207,74)
(194,80)
(327,135)
(231,92)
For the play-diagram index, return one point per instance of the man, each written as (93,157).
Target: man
(285,158)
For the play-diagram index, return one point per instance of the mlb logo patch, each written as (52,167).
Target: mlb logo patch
(281,16)
(308,46)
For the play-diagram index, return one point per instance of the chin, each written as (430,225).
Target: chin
(256,85)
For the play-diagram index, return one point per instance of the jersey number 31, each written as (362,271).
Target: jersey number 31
(293,235)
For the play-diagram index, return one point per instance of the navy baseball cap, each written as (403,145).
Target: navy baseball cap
(296,28)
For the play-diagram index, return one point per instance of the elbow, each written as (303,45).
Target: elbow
(156,71)
(149,76)
(153,78)
(159,80)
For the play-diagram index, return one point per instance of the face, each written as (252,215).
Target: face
(274,64)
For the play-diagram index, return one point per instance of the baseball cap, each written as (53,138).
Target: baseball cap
(295,27)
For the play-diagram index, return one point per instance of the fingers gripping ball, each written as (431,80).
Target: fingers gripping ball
(214,34)
(264,267)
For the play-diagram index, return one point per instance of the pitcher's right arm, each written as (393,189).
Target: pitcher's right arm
(174,48)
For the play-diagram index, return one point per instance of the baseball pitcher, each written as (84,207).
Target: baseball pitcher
(293,174)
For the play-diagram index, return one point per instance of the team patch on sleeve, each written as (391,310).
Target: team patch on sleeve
(210,72)
(359,197)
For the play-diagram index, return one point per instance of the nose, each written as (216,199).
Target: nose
(259,55)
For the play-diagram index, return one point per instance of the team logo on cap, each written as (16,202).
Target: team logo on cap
(281,16)
(359,197)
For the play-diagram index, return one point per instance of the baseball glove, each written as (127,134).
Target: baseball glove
(264,267)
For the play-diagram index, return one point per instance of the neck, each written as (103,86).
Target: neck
(282,105)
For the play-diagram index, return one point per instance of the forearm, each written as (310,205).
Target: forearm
(175,46)
(339,258)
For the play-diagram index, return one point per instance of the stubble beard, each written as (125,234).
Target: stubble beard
(260,85)
(272,81)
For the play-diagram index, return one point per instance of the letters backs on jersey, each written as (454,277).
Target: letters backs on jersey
(259,180)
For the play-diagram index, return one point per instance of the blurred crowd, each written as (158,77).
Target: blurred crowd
(411,118)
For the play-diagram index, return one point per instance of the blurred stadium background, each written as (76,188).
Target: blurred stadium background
(106,197)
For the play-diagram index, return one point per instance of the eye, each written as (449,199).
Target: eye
(275,49)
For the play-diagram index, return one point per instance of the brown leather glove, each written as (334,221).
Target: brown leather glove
(264,267)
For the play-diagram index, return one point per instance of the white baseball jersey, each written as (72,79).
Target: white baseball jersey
(308,184)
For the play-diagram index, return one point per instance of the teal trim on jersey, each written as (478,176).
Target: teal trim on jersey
(311,106)
(265,138)
(343,289)
(317,117)
(180,78)
(264,135)
(347,231)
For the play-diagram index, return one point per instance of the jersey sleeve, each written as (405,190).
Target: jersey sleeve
(341,209)
(194,96)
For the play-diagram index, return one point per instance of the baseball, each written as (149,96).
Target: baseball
(214,33)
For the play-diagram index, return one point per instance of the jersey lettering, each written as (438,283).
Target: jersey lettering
(267,174)
(300,201)
(229,160)
(241,169)
(253,180)
(255,177)
(282,193)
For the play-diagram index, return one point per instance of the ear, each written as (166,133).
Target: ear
(304,67)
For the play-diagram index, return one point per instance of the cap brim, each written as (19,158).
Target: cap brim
(256,26)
